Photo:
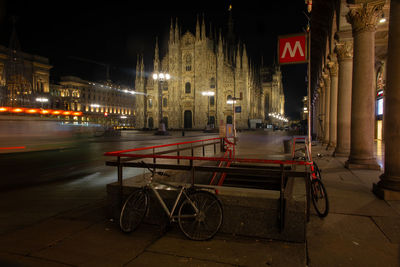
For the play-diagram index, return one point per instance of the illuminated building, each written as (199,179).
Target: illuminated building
(200,63)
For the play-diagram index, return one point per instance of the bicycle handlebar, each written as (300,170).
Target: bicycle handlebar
(154,172)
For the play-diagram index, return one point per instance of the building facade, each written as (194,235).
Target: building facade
(209,78)
(25,89)
(24,78)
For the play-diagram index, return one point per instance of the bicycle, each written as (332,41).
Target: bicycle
(199,214)
(319,196)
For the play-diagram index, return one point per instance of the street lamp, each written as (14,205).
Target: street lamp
(208,93)
(161,77)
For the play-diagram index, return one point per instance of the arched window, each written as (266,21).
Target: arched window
(212,82)
(212,100)
(187,88)
(188,61)
(150,103)
(165,102)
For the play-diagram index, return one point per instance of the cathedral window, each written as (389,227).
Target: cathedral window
(212,83)
(150,103)
(187,88)
(212,100)
(165,102)
(188,62)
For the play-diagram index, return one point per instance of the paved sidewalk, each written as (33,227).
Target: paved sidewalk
(361,230)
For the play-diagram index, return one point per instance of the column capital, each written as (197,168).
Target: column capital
(332,65)
(364,16)
(326,75)
(344,50)
(321,83)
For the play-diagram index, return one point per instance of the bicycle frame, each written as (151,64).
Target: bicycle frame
(171,212)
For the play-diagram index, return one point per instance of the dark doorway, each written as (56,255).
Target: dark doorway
(212,121)
(151,123)
(165,120)
(188,119)
(266,106)
(229,119)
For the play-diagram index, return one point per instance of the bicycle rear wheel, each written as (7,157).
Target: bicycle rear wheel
(205,223)
(133,210)
(319,198)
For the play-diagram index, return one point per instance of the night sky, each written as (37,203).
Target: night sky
(114,32)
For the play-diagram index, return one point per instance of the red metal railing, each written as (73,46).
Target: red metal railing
(128,154)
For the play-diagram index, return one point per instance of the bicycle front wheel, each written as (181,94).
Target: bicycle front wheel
(133,210)
(319,198)
(204,223)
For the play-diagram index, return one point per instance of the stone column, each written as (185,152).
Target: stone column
(333,71)
(318,114)
(322,110)
(363,18)
(344,51)
(389,184)
(327,84)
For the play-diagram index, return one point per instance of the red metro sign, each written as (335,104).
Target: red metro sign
(292,49)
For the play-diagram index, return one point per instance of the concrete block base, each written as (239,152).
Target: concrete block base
(247,212)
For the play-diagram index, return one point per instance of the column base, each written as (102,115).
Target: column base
(341,153)
(367,164)
(384,193)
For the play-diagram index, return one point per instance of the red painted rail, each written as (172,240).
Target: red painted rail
(127,153)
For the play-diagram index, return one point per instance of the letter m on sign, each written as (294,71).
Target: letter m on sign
(292,49)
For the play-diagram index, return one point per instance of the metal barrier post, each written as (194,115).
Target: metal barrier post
(119,175)
(282,201)
(154,158)
(308,194)
(204,152)
(178,153)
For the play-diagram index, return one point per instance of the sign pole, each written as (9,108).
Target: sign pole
(309,86)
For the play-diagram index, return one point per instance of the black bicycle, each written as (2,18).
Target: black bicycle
(199,212)
(319,196)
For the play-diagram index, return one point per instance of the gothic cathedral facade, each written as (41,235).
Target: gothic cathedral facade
(205,77)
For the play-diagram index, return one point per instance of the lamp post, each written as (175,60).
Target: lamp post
(161,77)
(232,101)
(208,93)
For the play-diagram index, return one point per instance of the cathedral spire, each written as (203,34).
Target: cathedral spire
(245,60)
(177,33)
(197,29)
(231,35)
(137,66)
(156,57)
(238,58)
(142,74)
(203,30)
(171,33)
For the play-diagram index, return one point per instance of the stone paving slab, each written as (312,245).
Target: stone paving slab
(102,244)
(157,259)
(390,226)
(15,260)
(40,236)
(236,251)
(348,240)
